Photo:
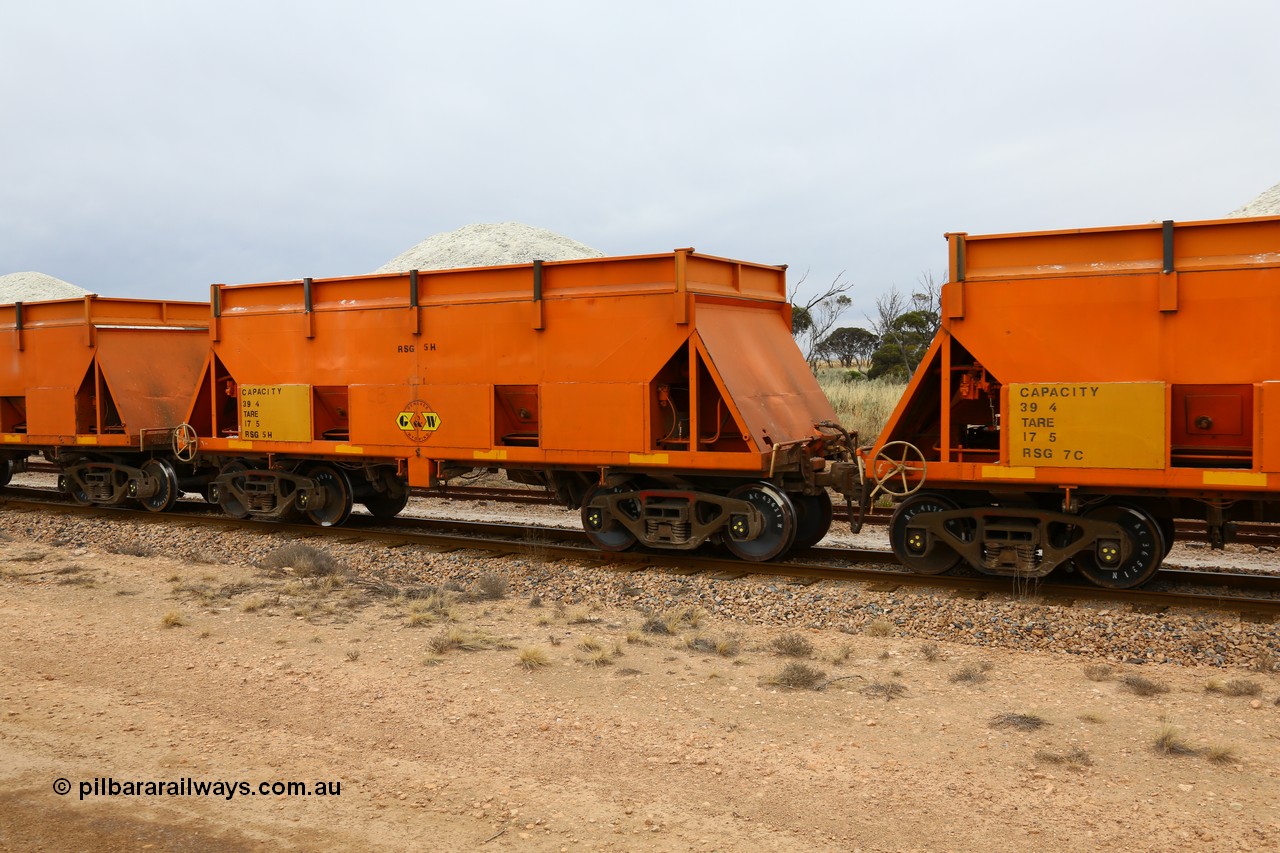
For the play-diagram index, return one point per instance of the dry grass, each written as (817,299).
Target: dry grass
(173,619)
(1021,722)
(862,406)
(1076,758)
(791,645)
(796,676)
(581,616)
(1234,687)
(533,658)
(1220,753)
(306,561)
(419,619)
(1142,686)
(1092,717)
(253,604)
(887,690)
(1099,672)
(1170,742)
(970,673)
(930,652)
(725,647)
(879,628)
(590,644)
(352,655)
(600,657)
(1265,661)
(671,622)
(460,639)
(490,586)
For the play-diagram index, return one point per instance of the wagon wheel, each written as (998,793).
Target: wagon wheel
(916,547)
(336,507)
(897,461)
(605,531)
(185,442)
(779,528)
(1110,566)
(813,518)
(387,504)
(167,495)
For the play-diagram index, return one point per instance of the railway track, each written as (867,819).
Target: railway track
(1190,530)
(1255,597)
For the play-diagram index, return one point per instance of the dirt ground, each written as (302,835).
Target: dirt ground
(147,670)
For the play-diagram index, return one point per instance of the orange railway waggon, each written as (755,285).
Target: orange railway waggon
(661,394)
(97,386)
(1084,390)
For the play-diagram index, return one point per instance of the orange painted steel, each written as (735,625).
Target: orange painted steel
(1092,307)
(1118,377)
(97,372)
(574,364)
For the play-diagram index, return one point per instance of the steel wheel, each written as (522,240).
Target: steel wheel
(337,504)
(164,499)
(779,528)
(603,529)
(1112,568)
(1169,530)
(6,472)
(813,518)
(387,504)
(919,550)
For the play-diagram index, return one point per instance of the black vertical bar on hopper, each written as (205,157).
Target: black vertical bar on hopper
(17,324)
(306,295)
(1168,245)
(537,281)
(413,288)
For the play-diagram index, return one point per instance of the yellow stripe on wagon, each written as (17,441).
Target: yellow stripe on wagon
(1002,472)
(1235,478)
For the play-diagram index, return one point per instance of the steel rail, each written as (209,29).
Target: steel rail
(1194,589)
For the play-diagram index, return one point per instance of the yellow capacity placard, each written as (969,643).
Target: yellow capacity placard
(275,412)
(1087,425)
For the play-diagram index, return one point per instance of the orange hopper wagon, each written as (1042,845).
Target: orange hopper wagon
(1084,390)
(662,394)
(99,386)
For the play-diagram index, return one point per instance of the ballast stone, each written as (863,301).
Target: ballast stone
(489,244)
(1266,204)
(36,287)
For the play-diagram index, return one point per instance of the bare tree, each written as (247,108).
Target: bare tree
(813,319)
(906,326)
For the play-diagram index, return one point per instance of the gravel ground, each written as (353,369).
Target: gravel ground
(1018,621)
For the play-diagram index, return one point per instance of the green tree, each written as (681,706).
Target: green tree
(850,345)
(906,327)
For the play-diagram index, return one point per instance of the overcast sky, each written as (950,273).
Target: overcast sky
(151,148)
